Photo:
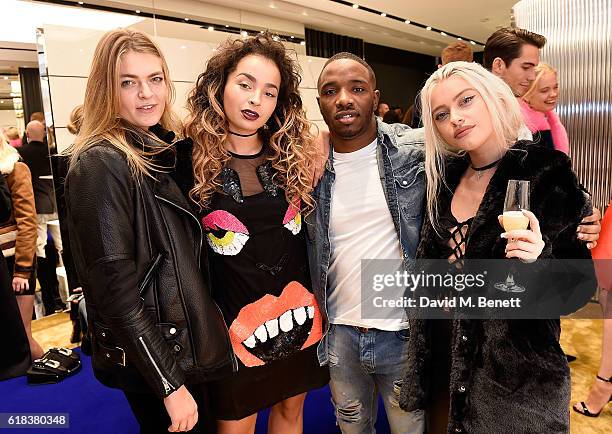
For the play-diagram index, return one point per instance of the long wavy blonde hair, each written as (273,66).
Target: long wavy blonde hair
(291,144)
(100,114)
(504,110)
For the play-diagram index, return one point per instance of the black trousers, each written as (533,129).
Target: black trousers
(47,277)
(151,414)
(15,359)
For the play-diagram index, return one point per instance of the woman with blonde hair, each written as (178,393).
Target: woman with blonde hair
(18,236)
(468,372)
(137,243)
(12,136)
(538,108)
(253,160)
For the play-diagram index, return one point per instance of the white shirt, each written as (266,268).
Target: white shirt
(524,133)
(360,227)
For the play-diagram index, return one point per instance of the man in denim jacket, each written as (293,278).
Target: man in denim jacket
(369,206)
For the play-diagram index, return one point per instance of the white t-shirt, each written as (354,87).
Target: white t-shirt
(360,227)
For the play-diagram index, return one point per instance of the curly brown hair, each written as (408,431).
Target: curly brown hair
(291,144)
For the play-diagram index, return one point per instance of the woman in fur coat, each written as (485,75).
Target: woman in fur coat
(491,375)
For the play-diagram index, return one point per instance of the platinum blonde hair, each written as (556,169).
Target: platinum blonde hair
(503,108)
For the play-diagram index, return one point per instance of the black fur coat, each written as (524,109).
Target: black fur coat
(506,376)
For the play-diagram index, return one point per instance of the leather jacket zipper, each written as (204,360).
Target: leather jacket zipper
(149,274)
(167,386)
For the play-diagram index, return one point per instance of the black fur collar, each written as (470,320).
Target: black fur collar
(557,199)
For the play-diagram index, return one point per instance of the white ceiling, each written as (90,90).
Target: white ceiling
(474,19)
(16,54)
(471,19)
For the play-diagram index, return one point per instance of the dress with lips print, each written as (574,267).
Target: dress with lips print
(260,280)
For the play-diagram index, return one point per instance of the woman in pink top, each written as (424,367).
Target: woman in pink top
(538,106)
(12,135)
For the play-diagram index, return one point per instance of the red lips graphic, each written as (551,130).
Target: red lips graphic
(275,326)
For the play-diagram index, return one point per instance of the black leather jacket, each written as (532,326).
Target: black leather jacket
(138,251)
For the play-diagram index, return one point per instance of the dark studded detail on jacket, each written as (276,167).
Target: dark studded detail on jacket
(138,251)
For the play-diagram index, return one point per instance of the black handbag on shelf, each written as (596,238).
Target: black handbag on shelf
(55,365)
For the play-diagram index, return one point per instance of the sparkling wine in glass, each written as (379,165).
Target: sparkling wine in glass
(517,199)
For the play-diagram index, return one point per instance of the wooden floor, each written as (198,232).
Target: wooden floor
(580,337)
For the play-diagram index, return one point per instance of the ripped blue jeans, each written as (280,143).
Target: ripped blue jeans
(361,365)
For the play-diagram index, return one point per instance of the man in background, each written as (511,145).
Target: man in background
(455,52)
(35,153)
(512,54)
(381,109)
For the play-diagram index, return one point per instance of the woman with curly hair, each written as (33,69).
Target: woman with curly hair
(253,158)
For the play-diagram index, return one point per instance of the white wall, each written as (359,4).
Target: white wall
(69,51)
(8,119)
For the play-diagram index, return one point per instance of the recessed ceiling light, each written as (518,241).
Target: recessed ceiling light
(302,42)
(227,25)
(383,14)
(137,11)
(292,37)
(305,14)
(80,3)
(244,33)
(1,102)
(407,21)
(5,77)
(428,28)
(459,39)
(472,42)
(186,19)
(355,5)
(443,34)
(211,28)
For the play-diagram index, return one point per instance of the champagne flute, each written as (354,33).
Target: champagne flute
(517,199)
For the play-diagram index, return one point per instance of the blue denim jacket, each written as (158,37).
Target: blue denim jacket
(401,166)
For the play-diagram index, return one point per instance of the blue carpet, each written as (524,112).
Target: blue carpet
(96,409)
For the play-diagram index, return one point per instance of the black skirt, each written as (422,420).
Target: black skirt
(252,389)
